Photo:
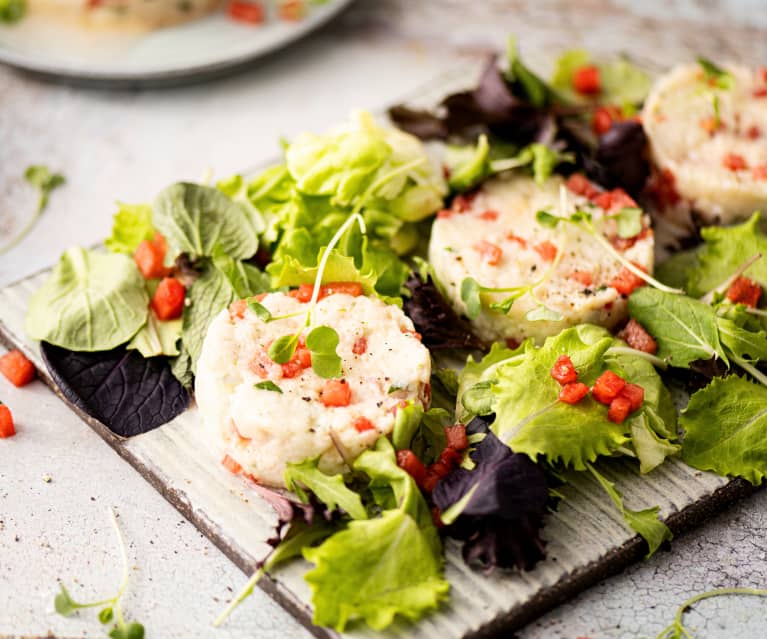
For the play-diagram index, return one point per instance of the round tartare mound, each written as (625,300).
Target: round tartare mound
(493,236)
(709,143)
(383,363)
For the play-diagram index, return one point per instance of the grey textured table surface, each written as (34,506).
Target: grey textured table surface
(127,145)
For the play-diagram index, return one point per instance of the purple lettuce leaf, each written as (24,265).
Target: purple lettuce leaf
(439,325)
(501,522)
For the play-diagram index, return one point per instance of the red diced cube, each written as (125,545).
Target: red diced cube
(734,162)
(573,393)
(450,457)
(409,462)
(626,281)
(168,300)
(607,387)
(456,437)
(361,424)
(581,185)
(619,409)
(16,368)
(635,394)
(586,80)
(546,250)
(564,370)
(637,337)
(7,428)
(744,291)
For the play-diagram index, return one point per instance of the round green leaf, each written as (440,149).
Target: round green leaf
(91,302)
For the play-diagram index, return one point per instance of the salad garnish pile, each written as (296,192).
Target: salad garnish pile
(350,211)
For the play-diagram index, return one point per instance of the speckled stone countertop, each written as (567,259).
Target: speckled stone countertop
(126,145)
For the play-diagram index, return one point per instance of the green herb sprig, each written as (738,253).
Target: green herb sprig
(111,611)
(322,341)
(40,177)
(626,220)
(677,629)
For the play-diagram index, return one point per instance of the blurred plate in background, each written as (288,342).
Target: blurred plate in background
(195,50)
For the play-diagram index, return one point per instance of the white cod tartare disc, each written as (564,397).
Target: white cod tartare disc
(709,144)
(383,363)
(493,236)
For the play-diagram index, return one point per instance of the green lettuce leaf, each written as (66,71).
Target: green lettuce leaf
(524,81)
(366,161)
(12,10)
(329,489)
(645,522)
(157,337)
(132,224)
(654,426)
(468,165)
(685,328)
(474,373)
(623,83)
(529,417)
(380,568)
(675,270)
(199,220)
(725,425)
(92,301)
(421,431)
(747,344)
(223,281)
(724,250)
(339,268)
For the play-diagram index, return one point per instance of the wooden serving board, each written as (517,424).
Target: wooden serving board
(586,538)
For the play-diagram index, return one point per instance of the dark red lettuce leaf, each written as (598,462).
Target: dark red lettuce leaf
(500,525)
(491,107)
(504,110)
(439,325)
(127,393)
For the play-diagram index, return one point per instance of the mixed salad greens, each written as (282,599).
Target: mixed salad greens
(355,205)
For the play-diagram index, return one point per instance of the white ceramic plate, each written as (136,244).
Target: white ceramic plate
(197,49)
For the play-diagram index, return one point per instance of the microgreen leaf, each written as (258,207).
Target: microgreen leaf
(715,75)
(470,290)
(283,348)
(39,175)
(64,604)
(268,385)
(133,630)
(629,221)
(543,313)
(260,310)
(322,341)
(544,218)
(580,216)
(504,306)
